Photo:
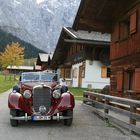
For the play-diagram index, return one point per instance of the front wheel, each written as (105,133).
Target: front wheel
(68,113)
(13,113)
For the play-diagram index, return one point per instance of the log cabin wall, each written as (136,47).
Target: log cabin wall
(76,53)
(125,54)
(81,52)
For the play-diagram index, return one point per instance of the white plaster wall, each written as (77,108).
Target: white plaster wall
(93,76)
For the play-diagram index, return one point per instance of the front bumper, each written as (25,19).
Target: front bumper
(40,117)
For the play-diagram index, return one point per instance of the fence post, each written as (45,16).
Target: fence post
(132,110)
(106,110)
(132,121)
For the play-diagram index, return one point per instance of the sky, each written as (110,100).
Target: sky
(39,1)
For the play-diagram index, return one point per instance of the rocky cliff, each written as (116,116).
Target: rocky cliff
(37,23)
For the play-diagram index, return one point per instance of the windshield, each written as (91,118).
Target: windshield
(38,76)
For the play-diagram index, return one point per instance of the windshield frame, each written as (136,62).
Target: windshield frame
(38,77)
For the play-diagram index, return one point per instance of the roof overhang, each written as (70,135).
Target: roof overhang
(68,37)
(92,42)
(99,15)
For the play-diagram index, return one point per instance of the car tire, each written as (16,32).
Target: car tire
(16,88)
(67,113)
(13,113)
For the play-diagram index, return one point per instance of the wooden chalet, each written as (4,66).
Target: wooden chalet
(121,18)
(44,60)
(83,57)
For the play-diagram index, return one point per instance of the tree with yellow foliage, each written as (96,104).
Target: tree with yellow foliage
(13,55)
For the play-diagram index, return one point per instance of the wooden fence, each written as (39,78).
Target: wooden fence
(121,111)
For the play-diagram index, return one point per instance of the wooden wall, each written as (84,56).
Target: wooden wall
(122,44)
(125,54)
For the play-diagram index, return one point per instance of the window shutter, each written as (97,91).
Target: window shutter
(62,74)
(137,79)
(104,72)
(67,73)
(124,30)
(119,80)
(133,22)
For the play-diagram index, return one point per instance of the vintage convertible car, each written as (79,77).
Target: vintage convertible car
(39,96)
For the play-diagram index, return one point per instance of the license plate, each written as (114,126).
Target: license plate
(38,118)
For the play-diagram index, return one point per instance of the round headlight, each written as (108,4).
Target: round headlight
(56,94)
(27,94)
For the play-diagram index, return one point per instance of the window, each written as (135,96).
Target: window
(137,79)
(83,69)
(62,72)
(128,80)
(75,72)
(124,29)
(105,72)
(65,73)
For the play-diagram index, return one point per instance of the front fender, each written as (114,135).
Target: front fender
(65,102)
(17,101)
(13,100)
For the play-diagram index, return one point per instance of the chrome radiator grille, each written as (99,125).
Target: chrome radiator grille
(41,97)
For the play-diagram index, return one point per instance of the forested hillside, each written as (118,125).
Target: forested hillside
(30,50)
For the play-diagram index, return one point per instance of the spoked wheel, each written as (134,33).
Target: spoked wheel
(14,113)
(68,113)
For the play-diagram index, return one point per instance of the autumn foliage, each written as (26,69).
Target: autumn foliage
(13,55)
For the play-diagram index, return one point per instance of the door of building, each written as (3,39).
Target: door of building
(80,77)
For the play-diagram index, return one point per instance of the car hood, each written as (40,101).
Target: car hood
(33,84)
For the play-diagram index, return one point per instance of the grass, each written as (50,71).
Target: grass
(6,83)
(78,92)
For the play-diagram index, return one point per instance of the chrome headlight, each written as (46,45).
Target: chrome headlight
(56,94)
(27,94)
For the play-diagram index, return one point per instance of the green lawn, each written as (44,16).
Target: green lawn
(6,84)
(78,92)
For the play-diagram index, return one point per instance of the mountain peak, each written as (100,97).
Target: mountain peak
(38,22)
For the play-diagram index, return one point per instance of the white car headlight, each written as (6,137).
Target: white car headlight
(56,94)
(27,94)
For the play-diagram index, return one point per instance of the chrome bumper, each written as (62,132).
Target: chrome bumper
(27,118)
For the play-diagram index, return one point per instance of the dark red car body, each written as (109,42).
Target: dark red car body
(22,108)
